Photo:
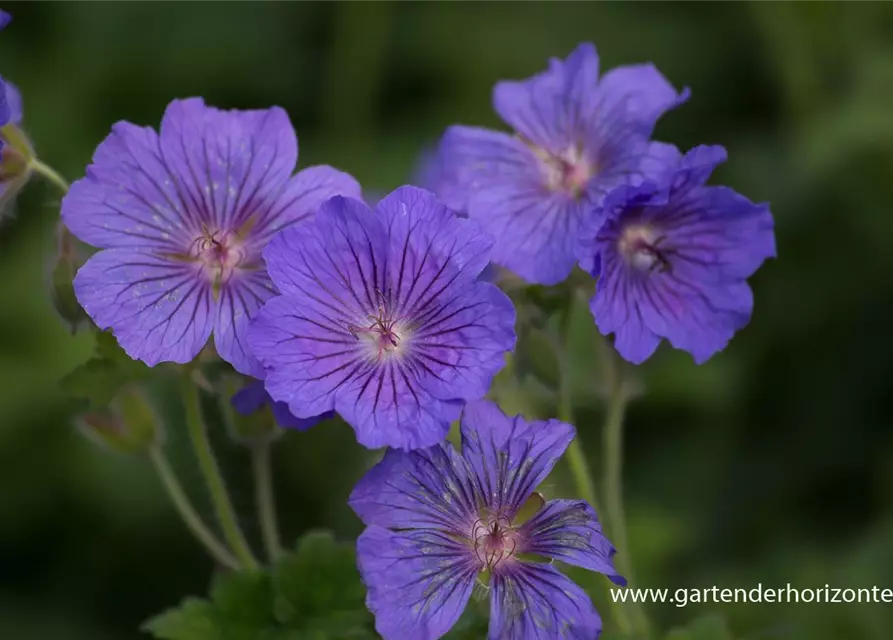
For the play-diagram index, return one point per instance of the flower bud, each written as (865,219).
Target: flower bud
(128,426)
(67,261)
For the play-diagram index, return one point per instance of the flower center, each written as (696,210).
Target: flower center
(639,245)
(219,252)
(568,171)
(383,334)
(495,541)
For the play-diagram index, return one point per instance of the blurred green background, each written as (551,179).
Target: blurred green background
(772,463)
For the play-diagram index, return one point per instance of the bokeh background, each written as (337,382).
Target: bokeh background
(772,463)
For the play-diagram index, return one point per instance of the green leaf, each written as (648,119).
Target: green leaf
(239,609)
(99,379)
(107,348)
(194,620)
(318,590)
(314,593)
(709,627)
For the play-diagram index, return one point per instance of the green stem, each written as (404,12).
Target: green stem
(615,517)
(222,505)
(266,503)
(579,467)
(49,173)
(576,457)
(181,503)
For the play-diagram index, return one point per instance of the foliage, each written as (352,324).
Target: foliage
(312,593)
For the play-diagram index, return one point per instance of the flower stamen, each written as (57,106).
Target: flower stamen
(220,254)
(640,246)
(382,331)
(495,541)
(567,171)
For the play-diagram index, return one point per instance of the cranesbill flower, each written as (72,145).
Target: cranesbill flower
(438,520)
(673,259)
(182,217)
(5,107)
(382,318)
(16,152)
(253,397)
(576,137)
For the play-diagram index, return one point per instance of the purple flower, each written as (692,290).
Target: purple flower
(673,260)
(15,148)
(252,397)
(431,174)
(576,137)
(382,319)
(182,218)
(438,520)
(6,109)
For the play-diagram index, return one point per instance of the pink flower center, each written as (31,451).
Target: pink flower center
(219,252)
(568,171)
(639,245)
(382,332)
(495,541)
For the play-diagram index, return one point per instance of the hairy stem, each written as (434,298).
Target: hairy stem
(181,503)
(50,174)
(576,460)
(211,472)
(615,516)
(266,502)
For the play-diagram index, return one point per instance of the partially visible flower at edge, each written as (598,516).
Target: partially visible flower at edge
(182,217)
(439,520)
(16,152)
(253,396)
(15,149)
(382,318)
(577,136)
(6,103)
(5,19)
(673,258)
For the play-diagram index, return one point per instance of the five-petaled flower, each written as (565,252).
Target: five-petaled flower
(673,258)
(182,217)
(577,137)
(382,318)
(439,520)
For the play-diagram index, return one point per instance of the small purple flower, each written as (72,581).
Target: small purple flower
(252,397)
(577,136)
(182,218)
(6,109)
(15,148)
(673,259)
(438,520)
(382,318)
